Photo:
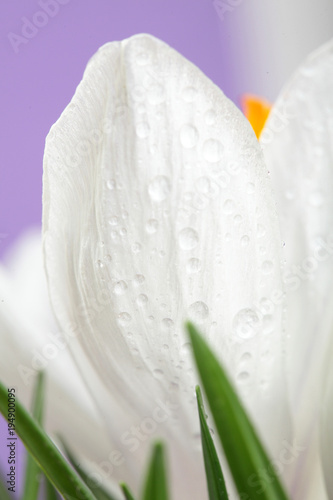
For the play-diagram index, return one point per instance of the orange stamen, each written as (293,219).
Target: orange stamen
(256,110)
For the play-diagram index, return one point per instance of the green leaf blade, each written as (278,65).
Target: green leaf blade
(156,485)
(127,494)
(246,456)
(46,454)
(33,474)
(215,480)
(99,492)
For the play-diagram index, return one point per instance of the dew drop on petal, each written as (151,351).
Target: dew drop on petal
(111,184)
(198,311)
(159,188)
(120,288)
(243,376)
(186,349)
(188,238)
(156,94)
(246,324)
(142,130)
(245,241)
(167,323)
(229,207)
(124,318)
(210,117)
(267,267)
(151,226)
(193,266)
(212,150)
(189,94)
(139,279)
(316,199)
(142,300)
(136,247)
(188,136)
(113,221)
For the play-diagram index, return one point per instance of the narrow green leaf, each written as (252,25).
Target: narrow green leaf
(253,472)
(4,495)
(99,492)
(33,474)
(156,486)
(46,454)
(51,493)
(128,495)
(215,480)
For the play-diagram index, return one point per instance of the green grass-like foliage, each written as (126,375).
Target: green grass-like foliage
(46,454)
(33,474)
(99,492)
(127,493)
(242,447)
(215,480)
(156,484)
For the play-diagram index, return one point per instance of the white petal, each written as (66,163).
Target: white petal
(30,341)
(157,208)
(297,144)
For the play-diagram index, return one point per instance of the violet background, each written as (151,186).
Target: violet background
(38,81)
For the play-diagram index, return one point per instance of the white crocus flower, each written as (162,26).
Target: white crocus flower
(158,208)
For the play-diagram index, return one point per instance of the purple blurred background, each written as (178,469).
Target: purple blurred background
(243,46)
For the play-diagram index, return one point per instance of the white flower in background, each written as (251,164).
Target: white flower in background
(158,208)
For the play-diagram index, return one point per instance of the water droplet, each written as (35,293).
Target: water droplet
(159,188)
(193,266)
(142,130)
(238,219)
(212,150)
(124,318)
(246,324)
(228,207)
(289,195)
(188,238)
(120,288)
(189,94)
(100,264)
(247,356)
(111,184)
(158,373)
(136,247)
(113,221)
(142,300)
(267,267)
(198,311)
(139,279)
(188,136)
(250,188)
(245,241)
(151,226)
(167,323)
(316,199)
(108,258)
(243,377)
(142,58)
(122,231)
(210,117)
(156,94)
(186,349)
(261,231)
